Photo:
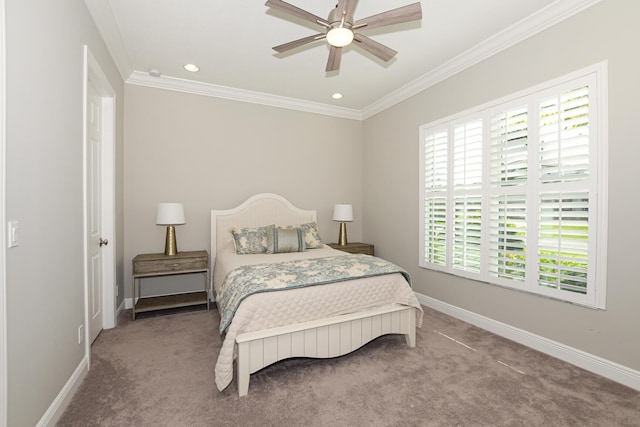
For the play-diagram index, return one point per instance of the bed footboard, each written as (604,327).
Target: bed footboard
(324,338)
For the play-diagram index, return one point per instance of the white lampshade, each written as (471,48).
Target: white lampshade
(170,214)
(339,36)
(343,213)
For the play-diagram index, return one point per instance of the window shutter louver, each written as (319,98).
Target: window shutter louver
(467,155)
(467,233)
(508,212)
(563,248)
(436,178)
(564,217)
(435,250)
(508,153)
(508,237)
(467,195)
(435,160)
(564,136)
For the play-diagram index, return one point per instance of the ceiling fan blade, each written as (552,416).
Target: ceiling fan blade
(335,55)
(381,51)
(296,43)
(296,11)
(412,12)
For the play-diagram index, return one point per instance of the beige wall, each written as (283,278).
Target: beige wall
(211,153)
(607,31)
(44,193)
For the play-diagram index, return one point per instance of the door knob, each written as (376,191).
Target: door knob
(103,242)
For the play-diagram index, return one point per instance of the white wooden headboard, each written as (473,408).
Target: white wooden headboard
(261,209)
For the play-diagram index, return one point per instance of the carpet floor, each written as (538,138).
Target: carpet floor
(158,371)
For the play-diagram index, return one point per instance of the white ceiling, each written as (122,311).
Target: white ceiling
(231,41)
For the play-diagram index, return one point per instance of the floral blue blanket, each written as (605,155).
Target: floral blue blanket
(250,279)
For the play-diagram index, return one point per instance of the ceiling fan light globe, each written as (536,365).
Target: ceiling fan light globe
(339,37)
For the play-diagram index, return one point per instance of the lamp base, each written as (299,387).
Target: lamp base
(342,237)
(170,245)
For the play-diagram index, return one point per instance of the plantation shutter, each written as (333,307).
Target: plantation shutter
(435,184)
(563,250)
(435,250)
(467,155)
(508,237)
(508,152)
(564,137)
(564,241)
(514,191)
(509,169)
(467,195)
(467,233)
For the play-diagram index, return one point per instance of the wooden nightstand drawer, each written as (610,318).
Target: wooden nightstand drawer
(151,265)
(354,248)
(160,263)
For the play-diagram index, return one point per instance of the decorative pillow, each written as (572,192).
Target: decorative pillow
(282,240)
(250,240)
(310,233)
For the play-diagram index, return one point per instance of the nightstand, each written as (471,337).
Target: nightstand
(153,265)
(354,248)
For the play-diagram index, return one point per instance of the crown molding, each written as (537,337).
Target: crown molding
(208,89)
(531,25)
(102,14)
(519,31)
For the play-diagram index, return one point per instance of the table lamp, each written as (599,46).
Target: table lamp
(344,214)
(170,214)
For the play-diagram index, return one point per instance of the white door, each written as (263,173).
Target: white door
(94,209)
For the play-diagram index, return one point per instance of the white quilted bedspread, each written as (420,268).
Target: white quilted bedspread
(272,309)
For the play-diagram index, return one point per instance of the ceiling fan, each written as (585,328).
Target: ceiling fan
(340,28)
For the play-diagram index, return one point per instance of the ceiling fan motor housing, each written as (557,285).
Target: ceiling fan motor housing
(335,18)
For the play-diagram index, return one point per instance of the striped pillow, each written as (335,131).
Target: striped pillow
(281,240)
(310,234)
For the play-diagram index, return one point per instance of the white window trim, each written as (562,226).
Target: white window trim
(596,293)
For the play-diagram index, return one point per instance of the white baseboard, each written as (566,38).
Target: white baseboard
(122,306)
(55,411)
(606,368)
(127,302)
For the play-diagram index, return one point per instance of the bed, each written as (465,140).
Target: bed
(324,320)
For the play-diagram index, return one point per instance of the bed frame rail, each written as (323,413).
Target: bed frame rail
(323,338)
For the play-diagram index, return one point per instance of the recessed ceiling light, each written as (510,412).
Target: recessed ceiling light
(192,68)
(336,95)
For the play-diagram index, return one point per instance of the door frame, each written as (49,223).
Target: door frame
(3,240)
(93,72)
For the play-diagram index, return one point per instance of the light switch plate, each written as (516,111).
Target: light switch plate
(12,234)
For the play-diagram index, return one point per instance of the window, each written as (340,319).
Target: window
(512,191)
